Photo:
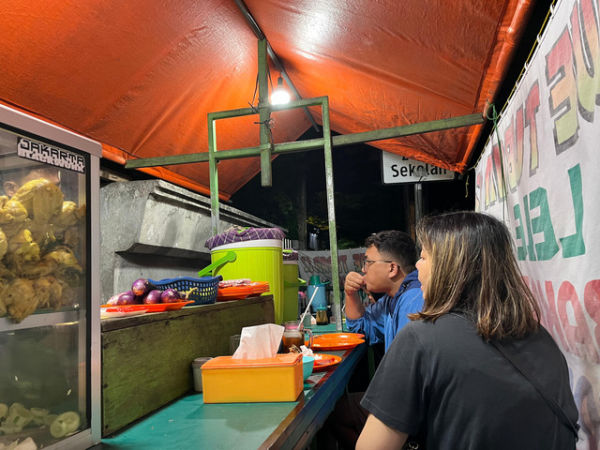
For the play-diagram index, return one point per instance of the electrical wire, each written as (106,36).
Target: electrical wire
(269,122)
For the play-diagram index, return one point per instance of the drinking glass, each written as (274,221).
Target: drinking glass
(294,335)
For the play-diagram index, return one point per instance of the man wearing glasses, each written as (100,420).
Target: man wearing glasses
(389,269)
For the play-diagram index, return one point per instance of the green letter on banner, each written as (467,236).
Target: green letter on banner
(574,245)
(520,234)
(546,249)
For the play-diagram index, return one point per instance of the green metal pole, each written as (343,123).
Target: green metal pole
(214,175)
(264,113)
(335,277)
(309,144)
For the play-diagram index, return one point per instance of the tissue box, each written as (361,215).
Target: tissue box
(228,380)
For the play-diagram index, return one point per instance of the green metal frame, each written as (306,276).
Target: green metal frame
(267,149)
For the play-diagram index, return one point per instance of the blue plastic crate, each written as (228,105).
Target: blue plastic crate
(204,294)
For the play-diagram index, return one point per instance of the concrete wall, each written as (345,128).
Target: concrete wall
(154,229)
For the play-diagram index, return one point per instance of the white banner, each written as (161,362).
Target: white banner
(547,192)
(319,263)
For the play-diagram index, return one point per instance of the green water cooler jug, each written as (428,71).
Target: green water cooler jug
(259,260)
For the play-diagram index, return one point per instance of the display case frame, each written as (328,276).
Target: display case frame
(27,125)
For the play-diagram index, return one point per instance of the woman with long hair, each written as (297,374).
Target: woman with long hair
(474,369)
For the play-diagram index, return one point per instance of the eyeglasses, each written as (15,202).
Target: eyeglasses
(369,262)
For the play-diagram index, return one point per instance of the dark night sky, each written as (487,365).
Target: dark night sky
(363,203)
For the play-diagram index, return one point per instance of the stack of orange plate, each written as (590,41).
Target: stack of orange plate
(234,292)
(259,287)
(242,291)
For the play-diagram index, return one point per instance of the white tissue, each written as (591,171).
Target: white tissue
(260,341)
(306,351)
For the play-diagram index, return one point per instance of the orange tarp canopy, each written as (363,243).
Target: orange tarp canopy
(140,76)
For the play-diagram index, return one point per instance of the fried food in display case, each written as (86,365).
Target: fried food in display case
(40,264)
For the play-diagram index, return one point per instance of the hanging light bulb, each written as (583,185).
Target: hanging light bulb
(280,95)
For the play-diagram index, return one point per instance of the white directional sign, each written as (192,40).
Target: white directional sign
(400,169)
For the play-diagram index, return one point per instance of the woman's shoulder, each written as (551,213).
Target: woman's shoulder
(443,323)
(445,326)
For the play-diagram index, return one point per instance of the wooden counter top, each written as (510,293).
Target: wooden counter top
(146,359)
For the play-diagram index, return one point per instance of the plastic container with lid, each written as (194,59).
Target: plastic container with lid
(228,380)
(257,259)
(319,290)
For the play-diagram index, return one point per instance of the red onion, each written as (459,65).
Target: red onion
(140,287)
(170,296)
(126,298)
(113,300)
(153,297)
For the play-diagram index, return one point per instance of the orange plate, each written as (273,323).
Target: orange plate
(323,361)
(344,335)
(337,341)
(234,292)
(157,307)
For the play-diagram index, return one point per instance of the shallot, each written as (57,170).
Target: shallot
(140,287)
(126,298)
(170,296)
(152,297)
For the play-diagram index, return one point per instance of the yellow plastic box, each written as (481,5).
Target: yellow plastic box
(227,380)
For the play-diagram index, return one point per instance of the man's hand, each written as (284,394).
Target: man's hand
(354,282)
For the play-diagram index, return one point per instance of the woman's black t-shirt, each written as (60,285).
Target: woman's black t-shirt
(443,381)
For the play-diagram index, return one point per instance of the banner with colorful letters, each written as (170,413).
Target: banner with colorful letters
(540,173)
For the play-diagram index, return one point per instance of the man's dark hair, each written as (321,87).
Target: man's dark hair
(398,244)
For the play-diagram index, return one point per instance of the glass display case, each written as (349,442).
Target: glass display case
(49,291)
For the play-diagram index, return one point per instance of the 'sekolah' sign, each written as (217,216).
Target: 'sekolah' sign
(400,169)
(542,180)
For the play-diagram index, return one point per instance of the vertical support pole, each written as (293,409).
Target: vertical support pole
(264,112)
(418,202)
(302,211)
(214,176)
(335,274)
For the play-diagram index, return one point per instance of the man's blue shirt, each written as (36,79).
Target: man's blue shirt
(384,318)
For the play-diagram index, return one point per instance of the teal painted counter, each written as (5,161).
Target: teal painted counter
(190,424)
(329,328)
